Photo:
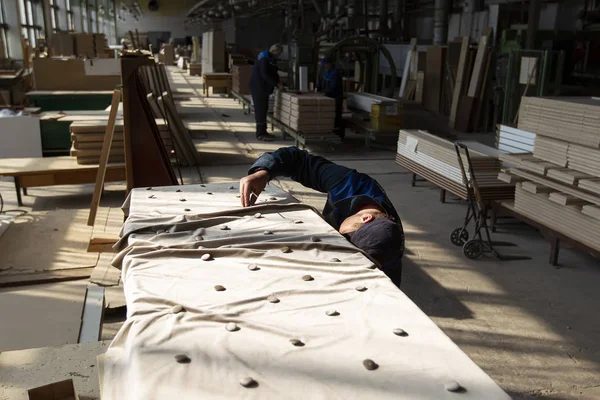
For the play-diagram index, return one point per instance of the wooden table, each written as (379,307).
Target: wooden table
(217,80)
(52,171)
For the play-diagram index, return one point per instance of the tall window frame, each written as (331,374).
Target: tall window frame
(69,14)
(54,13)
(4,49)
(29,15)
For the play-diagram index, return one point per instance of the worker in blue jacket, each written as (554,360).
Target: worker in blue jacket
(263,81)
(357,205)
(331,85)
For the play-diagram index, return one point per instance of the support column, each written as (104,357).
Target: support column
(533,21)
(440,22)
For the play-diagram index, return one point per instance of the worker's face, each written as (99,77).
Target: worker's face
(276,53)
(355,221)
(328,66)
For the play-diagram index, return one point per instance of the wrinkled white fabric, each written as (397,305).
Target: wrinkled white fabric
(160,256)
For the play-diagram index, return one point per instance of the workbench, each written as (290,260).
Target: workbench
(266,302)
(217,80)
(52,171)
(56,100)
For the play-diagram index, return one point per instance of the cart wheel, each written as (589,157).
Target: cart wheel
(473,249)
(459,236)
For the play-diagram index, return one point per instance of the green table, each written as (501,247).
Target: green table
(53,100)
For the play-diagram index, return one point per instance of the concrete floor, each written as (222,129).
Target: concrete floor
(532,327)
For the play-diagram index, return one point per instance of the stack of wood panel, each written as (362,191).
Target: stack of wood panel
(241,78)
(305,112)
(435,159)
(88,137)
(572,119)
(560,182)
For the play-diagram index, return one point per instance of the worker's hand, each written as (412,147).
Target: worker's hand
(252,186)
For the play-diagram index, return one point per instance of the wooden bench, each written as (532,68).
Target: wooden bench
(217,80)
(52,171)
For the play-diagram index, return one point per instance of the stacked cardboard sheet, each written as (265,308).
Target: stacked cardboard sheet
(551,150)
(572,119)
(564,213)
(435,159)
(88,137)
(305,112)
(241,78)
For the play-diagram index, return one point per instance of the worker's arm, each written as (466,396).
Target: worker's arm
(264,69)
(311,171)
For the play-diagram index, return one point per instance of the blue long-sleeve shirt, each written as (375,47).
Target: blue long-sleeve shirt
(331,84)
(264,74)
(347,189)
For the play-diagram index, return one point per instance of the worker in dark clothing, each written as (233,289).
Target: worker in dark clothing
(331,85)
(263,81)
(357,205)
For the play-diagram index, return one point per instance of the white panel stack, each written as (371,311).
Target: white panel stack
(511,140)
(305,112)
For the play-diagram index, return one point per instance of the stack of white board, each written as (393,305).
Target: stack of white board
(436,160)
(305,112)
(512,140)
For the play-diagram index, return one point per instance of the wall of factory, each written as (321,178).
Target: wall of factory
(170,17)
(254,32)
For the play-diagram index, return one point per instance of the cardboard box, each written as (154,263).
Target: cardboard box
(57,74)
(100,46)
(63,44)
(64,390)
(84,45)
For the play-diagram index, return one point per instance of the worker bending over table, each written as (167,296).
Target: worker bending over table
(331,85)
(263,81)
(357,205)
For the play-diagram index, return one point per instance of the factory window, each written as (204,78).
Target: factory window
(54,15)
(3,36)
(69,10)
(84,16)
(31,20)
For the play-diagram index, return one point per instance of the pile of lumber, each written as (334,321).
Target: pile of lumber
(241,78)
(572,119)
(305,111)
(559,183)
(88,136)
(435,159)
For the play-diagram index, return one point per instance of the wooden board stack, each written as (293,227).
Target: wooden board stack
(305,112)
(435,159)
(560,181)
(572,119)
(88,136)
(241,78)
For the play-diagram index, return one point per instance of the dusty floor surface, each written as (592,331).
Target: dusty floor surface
(532,327)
